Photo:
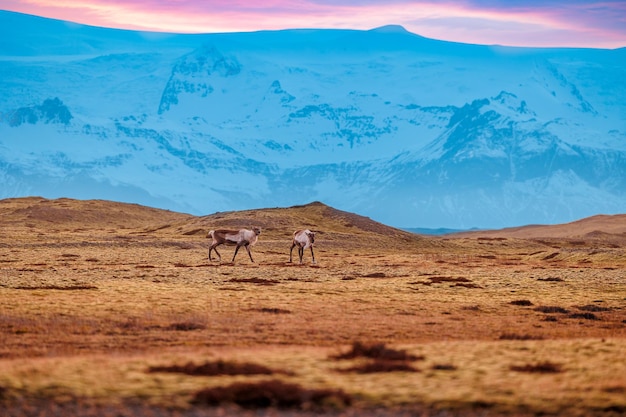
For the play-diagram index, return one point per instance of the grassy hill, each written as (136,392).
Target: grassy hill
(68,214)
(605,230)
(338,227)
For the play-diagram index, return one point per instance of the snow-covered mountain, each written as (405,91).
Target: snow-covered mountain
(407,130)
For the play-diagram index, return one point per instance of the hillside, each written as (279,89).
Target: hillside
(330,224)
(600,227)
(69,214)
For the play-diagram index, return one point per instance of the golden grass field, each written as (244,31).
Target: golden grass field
(105,304)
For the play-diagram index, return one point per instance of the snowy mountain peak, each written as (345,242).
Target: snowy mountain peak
(195,74)
(391,29)
(406,130)
(50,111)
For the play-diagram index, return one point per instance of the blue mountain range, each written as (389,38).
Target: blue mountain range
(410,131)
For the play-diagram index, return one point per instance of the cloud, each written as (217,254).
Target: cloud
(514,22)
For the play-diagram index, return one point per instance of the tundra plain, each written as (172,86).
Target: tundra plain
(114,309)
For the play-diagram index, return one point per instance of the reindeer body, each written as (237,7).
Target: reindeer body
(303,239)
(237,238)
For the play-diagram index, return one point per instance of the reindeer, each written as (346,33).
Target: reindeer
(238,238)
(302,239)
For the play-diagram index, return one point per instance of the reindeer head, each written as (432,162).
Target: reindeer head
(256,230)
(311,236)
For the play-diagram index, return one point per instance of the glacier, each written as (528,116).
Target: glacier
(410,131)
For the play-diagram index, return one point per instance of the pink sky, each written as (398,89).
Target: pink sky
(569,23)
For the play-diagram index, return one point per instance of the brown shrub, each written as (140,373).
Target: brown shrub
(440,279)
(586,316)
(272,393)
(545,367)
(615,389)
(551,309)
(594,308)
(521,303)
(459,281)
(515,336)
(443,367)
(550,279)
(379,365)
(377,351)
(260,281)
(186,326)
(375,275)
(272,310)
(616,409)
(464,285)
(215,368)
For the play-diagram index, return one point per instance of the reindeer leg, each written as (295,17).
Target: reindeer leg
(293,245)
(236,250)
(218,254)
(312,254)
(301,253)
(215,249)
(249,253)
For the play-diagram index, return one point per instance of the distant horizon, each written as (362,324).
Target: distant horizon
(547,24)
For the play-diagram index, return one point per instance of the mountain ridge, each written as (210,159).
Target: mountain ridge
(419,133)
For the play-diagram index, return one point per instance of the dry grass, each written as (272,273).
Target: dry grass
(95,294)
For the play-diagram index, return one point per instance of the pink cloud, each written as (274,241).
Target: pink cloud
(554,23)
